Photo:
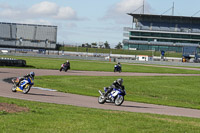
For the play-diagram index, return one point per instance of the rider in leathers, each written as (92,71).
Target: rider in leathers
(31,75)
(116,84)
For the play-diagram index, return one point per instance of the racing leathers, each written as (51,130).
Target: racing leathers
(23,81)
(115,84)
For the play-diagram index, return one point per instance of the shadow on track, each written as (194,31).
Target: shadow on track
(34,94)
(8,80)
(130,106)
(4,72)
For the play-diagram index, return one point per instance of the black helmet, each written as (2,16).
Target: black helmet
(120,81)
(32,74)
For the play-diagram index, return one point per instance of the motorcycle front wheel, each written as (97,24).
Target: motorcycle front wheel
(119,100)
(101,100)
(14,88)
(26,89)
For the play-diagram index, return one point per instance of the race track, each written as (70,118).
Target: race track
(88,101)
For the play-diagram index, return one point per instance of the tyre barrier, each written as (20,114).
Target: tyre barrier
(12,62)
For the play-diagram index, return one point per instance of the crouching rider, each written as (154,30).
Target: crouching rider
(116,84)
(24,80)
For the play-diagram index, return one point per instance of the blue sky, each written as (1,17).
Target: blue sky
(88,21)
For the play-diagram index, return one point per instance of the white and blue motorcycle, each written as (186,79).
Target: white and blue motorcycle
(115,96)
(22,84)
(117,68)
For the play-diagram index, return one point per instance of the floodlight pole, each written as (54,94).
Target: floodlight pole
(173,9)
(143,6)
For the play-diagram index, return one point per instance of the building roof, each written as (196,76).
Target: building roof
(29,24)
(166,18)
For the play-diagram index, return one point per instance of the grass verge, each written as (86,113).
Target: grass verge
(54,63)
(120,51)
(165,90)
(45,118)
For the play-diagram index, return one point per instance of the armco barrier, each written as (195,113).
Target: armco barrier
(12,62)
(58,56)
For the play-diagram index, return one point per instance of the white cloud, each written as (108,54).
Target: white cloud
(9,13)
(66,13)
(125,6)
(44,8)
(52,10)
(118,12)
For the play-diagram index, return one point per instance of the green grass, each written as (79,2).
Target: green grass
(120,51)
(173,91)
(46,118)
(54,63)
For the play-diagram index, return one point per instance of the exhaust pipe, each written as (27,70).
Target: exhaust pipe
(100,92)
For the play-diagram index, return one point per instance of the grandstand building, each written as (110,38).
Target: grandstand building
(162,33)
(30,36)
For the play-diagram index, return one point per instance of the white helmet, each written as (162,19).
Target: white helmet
(120,81)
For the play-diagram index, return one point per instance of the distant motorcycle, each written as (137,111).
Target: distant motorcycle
(115,96)
(27,82)
(117,68)
(64,67)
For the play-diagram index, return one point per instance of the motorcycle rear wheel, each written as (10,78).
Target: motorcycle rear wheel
(119,100)
(101,100)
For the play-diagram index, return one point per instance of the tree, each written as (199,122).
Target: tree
(94,45)
(107,45)
(119,46)
(100,44)
(83,45)
(86,45)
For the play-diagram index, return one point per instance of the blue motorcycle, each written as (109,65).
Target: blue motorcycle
(25,82)
(115,96)
(118,68)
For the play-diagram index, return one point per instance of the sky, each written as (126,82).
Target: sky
(89,21)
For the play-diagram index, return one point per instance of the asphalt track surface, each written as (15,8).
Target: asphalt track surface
(88,101)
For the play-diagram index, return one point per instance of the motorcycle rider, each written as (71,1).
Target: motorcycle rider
(116,84)
(31,75)
(118,65)
(68,64)
(65,65)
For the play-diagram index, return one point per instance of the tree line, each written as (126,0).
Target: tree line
(105,45)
